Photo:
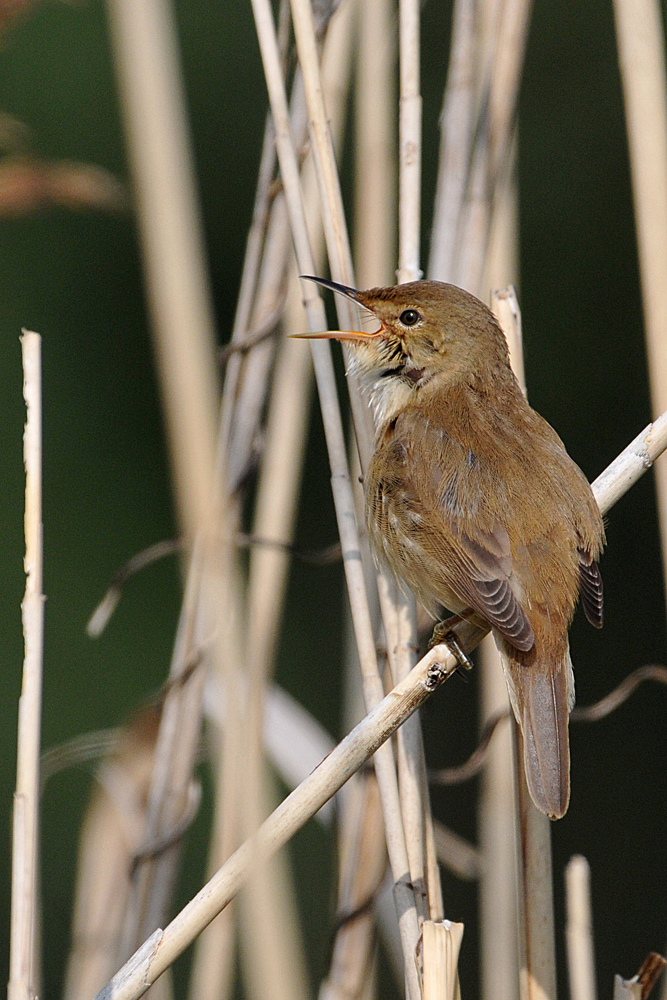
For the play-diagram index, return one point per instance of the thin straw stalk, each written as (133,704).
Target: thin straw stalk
(641,46)
(23,969)
(375,153)
(399,611)
(410,121)
(579,930)
(499,952)
(456,137)
(640,35)
(331,202)
(145,49)
(158,952)
(341,266)
(362,864)
(537,946)
(342,492)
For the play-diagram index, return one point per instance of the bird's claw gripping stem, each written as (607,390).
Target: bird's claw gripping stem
(443,633)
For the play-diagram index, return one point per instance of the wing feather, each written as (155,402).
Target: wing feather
(592,596)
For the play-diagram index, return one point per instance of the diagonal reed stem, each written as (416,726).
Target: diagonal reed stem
(158,952)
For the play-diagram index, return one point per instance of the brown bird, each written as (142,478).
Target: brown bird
(473,501)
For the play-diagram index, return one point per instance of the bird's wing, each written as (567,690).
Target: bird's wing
(429,503)
(484,575)
(590,582)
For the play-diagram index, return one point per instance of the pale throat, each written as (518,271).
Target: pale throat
(389,394)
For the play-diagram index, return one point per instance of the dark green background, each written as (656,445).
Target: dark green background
(76,278)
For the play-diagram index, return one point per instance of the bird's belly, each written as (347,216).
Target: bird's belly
(395,542)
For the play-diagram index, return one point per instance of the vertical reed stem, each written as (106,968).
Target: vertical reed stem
(23,969)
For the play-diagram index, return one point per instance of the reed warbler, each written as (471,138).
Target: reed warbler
(473,501)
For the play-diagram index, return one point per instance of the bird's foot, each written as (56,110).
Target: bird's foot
(444,633)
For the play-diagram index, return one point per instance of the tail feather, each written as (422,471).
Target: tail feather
(542,696)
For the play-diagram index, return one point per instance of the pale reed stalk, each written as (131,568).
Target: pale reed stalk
(159,951)
(145,50)
(641,48)
(410,123)
(361,847)
(164,946)
(274,963)
(496,817)
(343,498)
(341,266)
(579,930)
(23,960)
(537,946)
(456,138)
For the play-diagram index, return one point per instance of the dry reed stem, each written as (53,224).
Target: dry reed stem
(249,275)
(270,968)
(331,203)
(274,963)
(537,946)
(157,953)
(375,153)
(362,865)
(246,384)
(342,492)
(341,266)
(145,50)
(579,930)
(640,35)
(410,121)
(496,808)
(441,943)
(23,960)
(456,137)
(111,836)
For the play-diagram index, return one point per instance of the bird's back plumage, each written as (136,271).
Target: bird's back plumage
(470,530)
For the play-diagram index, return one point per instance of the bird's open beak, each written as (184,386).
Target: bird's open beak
(338,335)
(350,293)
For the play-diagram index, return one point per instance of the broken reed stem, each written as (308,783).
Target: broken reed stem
(640,35)
(579,930)
(158,952)
(342,491)
(23,967)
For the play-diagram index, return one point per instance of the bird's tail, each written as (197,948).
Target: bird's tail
(542,696)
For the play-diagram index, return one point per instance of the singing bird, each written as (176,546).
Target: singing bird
(473,501)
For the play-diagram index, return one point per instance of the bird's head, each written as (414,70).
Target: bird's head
(432,335)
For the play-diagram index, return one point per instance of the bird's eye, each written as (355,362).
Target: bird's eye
(409,317)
